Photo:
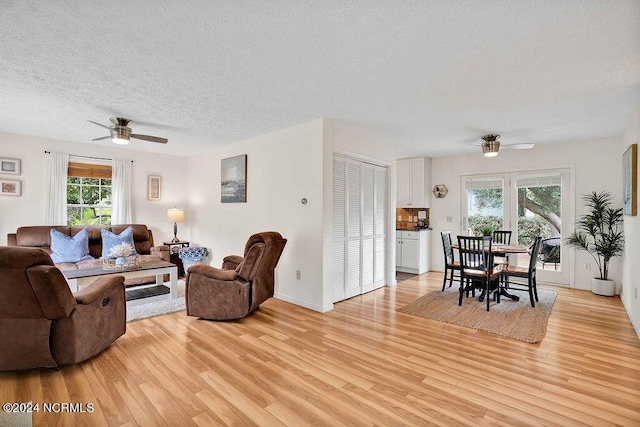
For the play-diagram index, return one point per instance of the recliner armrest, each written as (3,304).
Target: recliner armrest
(98,289)
(162,252)
(213,273)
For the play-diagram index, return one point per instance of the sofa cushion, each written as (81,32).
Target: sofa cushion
(110,239)
(69,249)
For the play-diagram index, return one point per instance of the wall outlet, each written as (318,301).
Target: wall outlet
(449,219)
(587,266)
(297,274)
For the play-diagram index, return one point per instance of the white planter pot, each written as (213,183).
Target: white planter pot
(603,287)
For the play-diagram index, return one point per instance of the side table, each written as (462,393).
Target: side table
(175,259)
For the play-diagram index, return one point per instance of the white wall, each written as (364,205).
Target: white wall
(29,208)
(282,168)
(597,166)
(631,270)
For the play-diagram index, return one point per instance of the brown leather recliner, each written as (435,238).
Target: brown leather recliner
(240,286)
(44,325)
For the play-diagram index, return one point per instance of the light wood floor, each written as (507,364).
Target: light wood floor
(360,364)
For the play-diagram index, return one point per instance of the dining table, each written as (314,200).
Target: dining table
(503,250)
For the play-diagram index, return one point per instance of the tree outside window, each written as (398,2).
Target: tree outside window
(88,201)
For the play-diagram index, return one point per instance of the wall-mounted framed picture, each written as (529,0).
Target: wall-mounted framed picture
(154,187)
(233,181)
(9,166)
(10,187)
(630,181)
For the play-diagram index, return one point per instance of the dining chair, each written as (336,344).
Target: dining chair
(451,266)
(476,267)
(502,237)
(529,274)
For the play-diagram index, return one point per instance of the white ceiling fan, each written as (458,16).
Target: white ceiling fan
(120,132)
(491,145)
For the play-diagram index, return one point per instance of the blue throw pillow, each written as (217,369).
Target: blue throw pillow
(69,249)
(109,239)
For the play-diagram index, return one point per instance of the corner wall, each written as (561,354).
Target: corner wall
(28,209)
(631,267)
(282,168)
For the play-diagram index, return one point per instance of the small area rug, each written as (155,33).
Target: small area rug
(144,311)
(516,320)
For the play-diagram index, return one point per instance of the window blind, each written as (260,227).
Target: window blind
(87,170)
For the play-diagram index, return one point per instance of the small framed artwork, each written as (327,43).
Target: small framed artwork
(233,181)
(154,191)
(630,181)
(10,187)
(9,166)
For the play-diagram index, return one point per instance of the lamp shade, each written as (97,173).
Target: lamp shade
(175,215)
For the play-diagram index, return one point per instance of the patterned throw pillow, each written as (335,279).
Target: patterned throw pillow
(69,249)
(109,239)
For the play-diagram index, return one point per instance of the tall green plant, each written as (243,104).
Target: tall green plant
(598,232)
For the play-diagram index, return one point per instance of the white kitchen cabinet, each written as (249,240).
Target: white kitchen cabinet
(412,251)
(414,182)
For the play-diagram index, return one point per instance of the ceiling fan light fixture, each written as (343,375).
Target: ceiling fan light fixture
(490,148)
(120,134)
(491,145)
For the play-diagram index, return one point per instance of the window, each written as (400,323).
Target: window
(88,194)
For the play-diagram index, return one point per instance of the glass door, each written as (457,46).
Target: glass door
(541,208)
(484,204)
(529,204)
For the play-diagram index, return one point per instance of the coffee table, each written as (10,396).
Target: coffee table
(85,276)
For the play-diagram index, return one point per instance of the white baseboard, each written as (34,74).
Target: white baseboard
(305,304)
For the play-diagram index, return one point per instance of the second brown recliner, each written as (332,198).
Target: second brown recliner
(240,286)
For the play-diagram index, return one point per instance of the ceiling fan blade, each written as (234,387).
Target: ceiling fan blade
(150,138)
(99,124)
(104,137)
(517,146)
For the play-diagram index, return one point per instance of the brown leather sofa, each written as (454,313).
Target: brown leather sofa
(44,325)
(39,237)
(240,286)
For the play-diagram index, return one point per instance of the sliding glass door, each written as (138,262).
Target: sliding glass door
(529,204)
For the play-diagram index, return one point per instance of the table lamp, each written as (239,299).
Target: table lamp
(176,215)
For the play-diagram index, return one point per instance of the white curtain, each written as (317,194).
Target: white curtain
(121,192)
(56,194)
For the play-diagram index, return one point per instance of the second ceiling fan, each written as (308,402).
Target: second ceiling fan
(120,132)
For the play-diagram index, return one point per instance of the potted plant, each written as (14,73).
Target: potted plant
(486,230)
(599,233)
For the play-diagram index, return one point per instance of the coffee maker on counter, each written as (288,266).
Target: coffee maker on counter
(422,220)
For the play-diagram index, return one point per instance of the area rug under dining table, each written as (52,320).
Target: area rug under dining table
(512,319)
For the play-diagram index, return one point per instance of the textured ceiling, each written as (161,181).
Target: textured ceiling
(429,76)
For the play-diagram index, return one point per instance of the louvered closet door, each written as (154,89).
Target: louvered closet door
(368,226)
(359,232)
(338,252)
(354,228)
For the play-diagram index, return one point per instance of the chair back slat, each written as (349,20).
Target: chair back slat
(502,237)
